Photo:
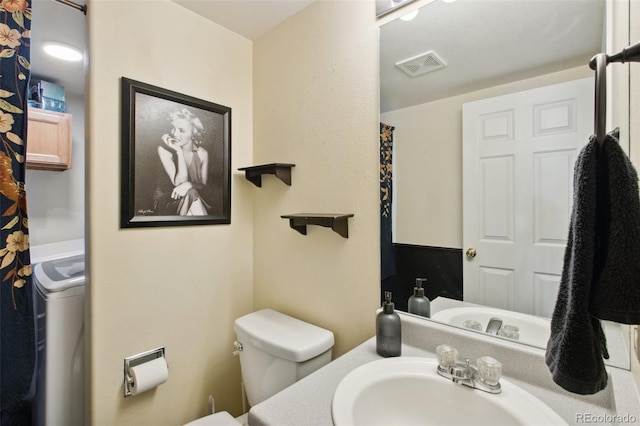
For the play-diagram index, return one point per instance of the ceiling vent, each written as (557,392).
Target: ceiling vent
(421,64)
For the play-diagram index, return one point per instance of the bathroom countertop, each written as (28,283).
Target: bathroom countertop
(308,401)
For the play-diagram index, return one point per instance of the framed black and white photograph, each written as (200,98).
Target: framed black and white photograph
(176,158)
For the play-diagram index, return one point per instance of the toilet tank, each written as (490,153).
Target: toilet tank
(278,350)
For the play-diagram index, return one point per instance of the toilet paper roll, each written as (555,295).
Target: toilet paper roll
(148,375)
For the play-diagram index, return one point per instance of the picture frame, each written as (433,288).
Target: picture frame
(175,158)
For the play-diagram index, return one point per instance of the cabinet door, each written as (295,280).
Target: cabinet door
(48,140)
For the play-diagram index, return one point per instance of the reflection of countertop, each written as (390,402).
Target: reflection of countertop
(441,303)
(617,335)
(308,402)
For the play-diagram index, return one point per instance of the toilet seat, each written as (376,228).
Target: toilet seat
(221,418)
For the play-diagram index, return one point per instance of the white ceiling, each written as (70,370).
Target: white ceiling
(483,42)
(53,21)
(486,42)
(249,18)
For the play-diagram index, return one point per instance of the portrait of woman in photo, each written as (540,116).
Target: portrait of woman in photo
(176,158)
(185,163)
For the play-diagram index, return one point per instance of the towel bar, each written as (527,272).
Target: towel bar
(599,63)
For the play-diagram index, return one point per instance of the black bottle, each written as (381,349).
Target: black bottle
(388,329)
(418,303)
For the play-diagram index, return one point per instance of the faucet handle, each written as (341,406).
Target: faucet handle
(509,331)
(447,356)
(490,370)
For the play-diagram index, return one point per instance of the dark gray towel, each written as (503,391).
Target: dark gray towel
(576,344)
(615,289)
(601,273)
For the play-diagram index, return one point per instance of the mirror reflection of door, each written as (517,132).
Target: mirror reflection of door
(521,49)
(518,156)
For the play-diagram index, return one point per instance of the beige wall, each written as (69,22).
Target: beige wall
(316,86)
(428,162)
(634,89)
(634,117)
(315,105)
(177,287)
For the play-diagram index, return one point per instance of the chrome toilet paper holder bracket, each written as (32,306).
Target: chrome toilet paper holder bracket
(138,359)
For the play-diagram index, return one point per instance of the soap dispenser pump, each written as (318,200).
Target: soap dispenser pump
(388,329)
(419,304)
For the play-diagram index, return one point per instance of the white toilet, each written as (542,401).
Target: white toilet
(276,350)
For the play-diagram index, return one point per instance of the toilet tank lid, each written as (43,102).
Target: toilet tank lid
(283,336)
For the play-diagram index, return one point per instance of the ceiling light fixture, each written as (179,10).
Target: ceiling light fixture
(410,16)
(63,51)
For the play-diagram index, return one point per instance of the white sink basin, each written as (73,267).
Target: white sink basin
(533,330)
(408,391)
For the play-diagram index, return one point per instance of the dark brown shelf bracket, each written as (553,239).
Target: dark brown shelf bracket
(281,170)
(337,222)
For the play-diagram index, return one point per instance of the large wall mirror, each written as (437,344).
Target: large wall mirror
(384,7)
(465,73)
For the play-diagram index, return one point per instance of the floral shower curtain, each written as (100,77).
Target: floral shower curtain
(17,331)
(387,253)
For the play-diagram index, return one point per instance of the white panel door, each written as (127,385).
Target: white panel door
(518,156)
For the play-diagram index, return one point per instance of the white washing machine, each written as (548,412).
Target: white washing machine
(59,284)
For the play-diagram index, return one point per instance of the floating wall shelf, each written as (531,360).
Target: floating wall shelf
(281,170)
(337,222)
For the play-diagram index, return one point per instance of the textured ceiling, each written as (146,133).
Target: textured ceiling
(483,42)
(249,18)
(486,42)
(52,21)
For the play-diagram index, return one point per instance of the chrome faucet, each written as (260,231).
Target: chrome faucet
(485,376)
(494,325)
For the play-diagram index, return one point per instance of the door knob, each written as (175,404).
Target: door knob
(471,253)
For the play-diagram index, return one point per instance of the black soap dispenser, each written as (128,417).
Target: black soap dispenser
(388,329)
(418,303)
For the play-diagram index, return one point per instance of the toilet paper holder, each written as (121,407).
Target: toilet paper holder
(138,359)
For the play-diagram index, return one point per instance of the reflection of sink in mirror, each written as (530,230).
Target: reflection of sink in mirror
(532,330)
(408,391)
(456,312)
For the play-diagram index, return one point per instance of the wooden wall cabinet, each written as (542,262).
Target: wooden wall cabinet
(48,140)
